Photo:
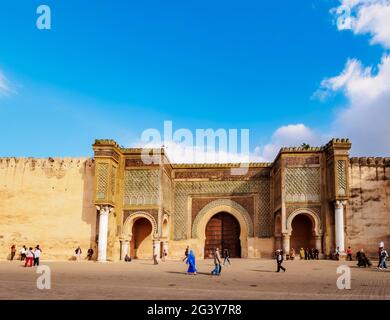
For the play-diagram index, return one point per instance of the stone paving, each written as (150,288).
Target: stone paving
(244,279)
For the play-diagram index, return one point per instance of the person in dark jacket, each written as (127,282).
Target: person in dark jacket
(13,252)
(279,260)
(90,253)
(363,261)
(226,256)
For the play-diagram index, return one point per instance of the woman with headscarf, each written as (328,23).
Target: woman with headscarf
(191,263)
(302,253)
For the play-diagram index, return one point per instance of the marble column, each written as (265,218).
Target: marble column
(103,233)
(286,243)
(339,224)
(124,248)
(156,248)
(319,243)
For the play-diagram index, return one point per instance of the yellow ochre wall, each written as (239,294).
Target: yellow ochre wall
(47,202)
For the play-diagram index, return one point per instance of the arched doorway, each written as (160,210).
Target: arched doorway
(302,232)
(141,242)
(223,232)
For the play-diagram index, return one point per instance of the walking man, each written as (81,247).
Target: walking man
(384,256)
(217,263)
(226,256)
(279,260)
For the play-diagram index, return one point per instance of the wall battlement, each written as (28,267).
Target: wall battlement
(370,161)
(45,162)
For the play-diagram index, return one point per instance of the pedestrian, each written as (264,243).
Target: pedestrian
(29,257)
(349,254)
(279,260)
(226,256)
(90,253)
(302,253)
(316,254)
(337,253)
(37,254)
(155,255)
(78,253)
(191,263)
(164,255)
(217,263)
(127,258)
(384,256)
(292,254)
(312,255)
(23,253)
(307,254)
(13,252)
(363,261)
(379,254)
(186,253)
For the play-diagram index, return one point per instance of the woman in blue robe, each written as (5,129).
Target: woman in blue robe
(191,263)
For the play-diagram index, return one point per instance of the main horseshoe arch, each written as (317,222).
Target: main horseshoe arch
(230,207)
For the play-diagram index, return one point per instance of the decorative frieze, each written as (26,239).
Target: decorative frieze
(141,187)
(302,184)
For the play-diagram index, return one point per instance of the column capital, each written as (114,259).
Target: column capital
(105,209)
(339,204)
(286,235)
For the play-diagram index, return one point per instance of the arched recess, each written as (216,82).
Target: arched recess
(312,215)
(231,207)
(128,225)
(165,228)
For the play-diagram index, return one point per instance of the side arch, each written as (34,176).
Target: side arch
(315,219)
(128,225)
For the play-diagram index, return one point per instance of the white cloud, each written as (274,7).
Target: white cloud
(5,90)
(187,153)
(370,17)
(365,120)
(289,136)
(285,136)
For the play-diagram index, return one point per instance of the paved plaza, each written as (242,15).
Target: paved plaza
(140,279)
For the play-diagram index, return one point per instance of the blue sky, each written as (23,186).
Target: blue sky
(111,69)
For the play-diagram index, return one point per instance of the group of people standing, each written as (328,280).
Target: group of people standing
(309,254)
(78,253)
(29,256)
(190,260)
